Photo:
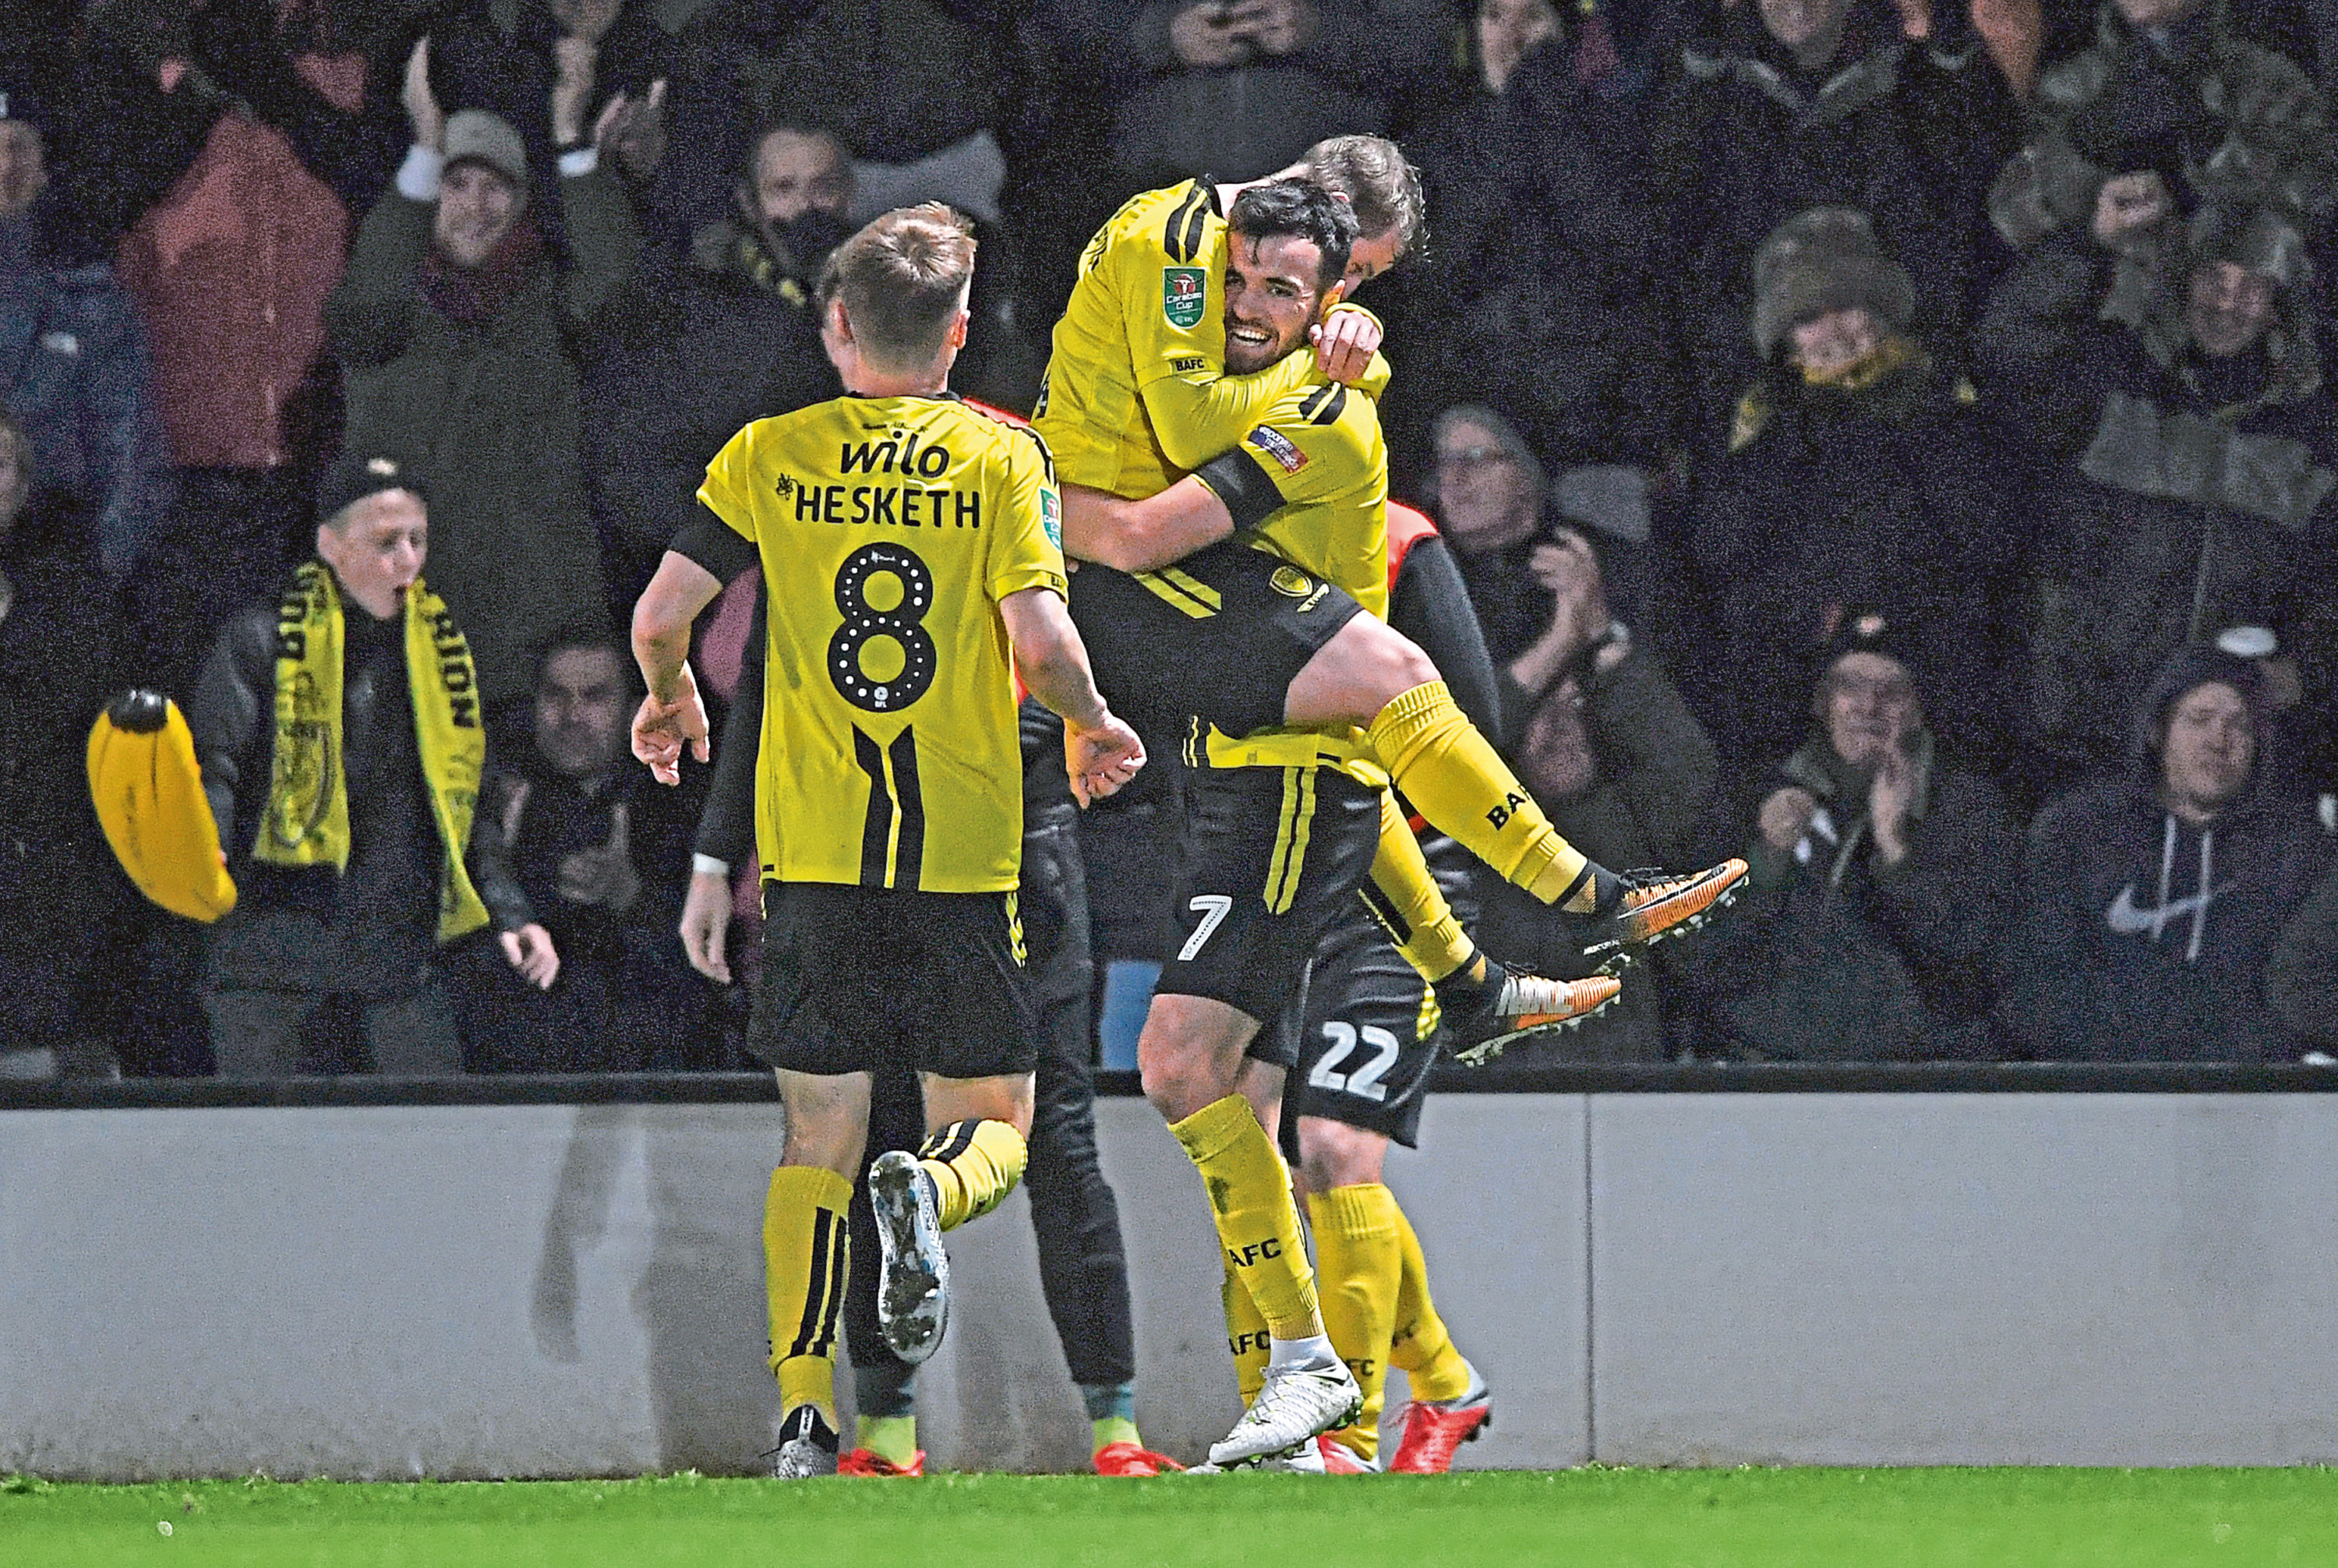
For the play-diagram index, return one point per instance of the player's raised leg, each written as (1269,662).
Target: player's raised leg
(970,1161)
(1370,676)
(807,1256)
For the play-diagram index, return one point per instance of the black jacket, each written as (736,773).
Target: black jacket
(371,930)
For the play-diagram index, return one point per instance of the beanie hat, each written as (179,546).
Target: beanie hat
(2187,671)
(1826,259)
(475,136)
(1896,637)
(354,475)
(1506,440)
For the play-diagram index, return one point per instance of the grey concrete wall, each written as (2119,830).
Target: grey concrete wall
(531,1290)
(1965,1279)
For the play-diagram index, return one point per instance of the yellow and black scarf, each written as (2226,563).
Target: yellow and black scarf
(307,819)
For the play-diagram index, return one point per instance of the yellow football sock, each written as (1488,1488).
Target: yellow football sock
(892,1438)
(1246,1337)
(1360,1260)
(807,1258)
(974,1165)
(1454,778)
(1258,1224)
(1405,898)
(1419,1344)
(1111,1429)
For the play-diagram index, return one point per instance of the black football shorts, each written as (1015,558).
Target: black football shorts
(1220,634)
(855,978)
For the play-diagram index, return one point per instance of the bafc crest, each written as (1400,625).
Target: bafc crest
(1184,292)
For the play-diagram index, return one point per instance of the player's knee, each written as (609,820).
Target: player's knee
(1364,669)
(1334,1154)
(827,1121)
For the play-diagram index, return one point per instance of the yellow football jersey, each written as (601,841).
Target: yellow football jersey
(1136,394)
(1325,467)
(888,529)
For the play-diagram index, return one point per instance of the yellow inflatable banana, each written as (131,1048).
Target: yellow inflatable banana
(148,794)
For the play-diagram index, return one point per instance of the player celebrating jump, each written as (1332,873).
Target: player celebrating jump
(910,545)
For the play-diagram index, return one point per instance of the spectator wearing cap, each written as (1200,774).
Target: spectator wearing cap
(2171,398)
(459,331)
(1858,472)
(2154,897)
(1783,105)
(343,746)
(218,153)
(1882,881)
(56,888)
(78,382)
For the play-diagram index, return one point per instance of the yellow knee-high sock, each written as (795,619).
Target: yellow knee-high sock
(1360,1260)
(1246,1337)
(974,1165)
(1407,900)
(1258,1224)
(807,1258)
(1418,1344)
(1453,776)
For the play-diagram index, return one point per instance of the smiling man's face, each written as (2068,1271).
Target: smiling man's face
(1274,292)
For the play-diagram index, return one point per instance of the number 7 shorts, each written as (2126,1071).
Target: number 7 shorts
(1273,856)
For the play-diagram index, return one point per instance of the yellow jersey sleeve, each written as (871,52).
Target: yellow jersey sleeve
(1027,549)
(1309,482)
(729,489)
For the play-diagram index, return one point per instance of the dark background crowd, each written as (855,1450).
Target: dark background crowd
(1885,438)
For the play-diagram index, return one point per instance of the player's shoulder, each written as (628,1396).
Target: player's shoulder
(1171,224)
(1011,432)
(1327,413)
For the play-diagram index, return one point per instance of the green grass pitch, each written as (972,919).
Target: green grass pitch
(1596,1518)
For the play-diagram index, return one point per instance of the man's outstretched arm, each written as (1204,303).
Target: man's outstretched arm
(1230,492)
(673,715)
(1101,753)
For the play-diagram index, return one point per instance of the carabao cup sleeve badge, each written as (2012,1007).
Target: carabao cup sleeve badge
(1184,292)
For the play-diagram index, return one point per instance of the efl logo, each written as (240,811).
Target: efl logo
(1184,292)
(1277,445)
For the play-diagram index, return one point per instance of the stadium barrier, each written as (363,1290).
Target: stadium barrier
(365,1278)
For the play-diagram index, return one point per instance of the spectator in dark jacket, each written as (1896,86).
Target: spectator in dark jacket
(1539,294)
(1858,473)
(347,823)
(1882,878)
(77,379)
(2168,109)
(2171,391)
(699,347)
(1244,88)
(220,154)
(2154,897)
(1603,741)
(509,57)
(460,333)
(1796,103)
(56,887)
(600,854)
(2302,978)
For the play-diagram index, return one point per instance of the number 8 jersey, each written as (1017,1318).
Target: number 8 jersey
(888,529)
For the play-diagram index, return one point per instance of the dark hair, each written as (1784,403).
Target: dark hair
(592,637)
(1371,175)
(1304,210)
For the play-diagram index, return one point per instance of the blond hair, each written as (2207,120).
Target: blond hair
(1371,175)
(903,279)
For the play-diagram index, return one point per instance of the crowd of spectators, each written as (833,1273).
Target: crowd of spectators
(1867,429)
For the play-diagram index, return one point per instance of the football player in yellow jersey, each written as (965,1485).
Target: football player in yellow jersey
(1149,380)
(909,545)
